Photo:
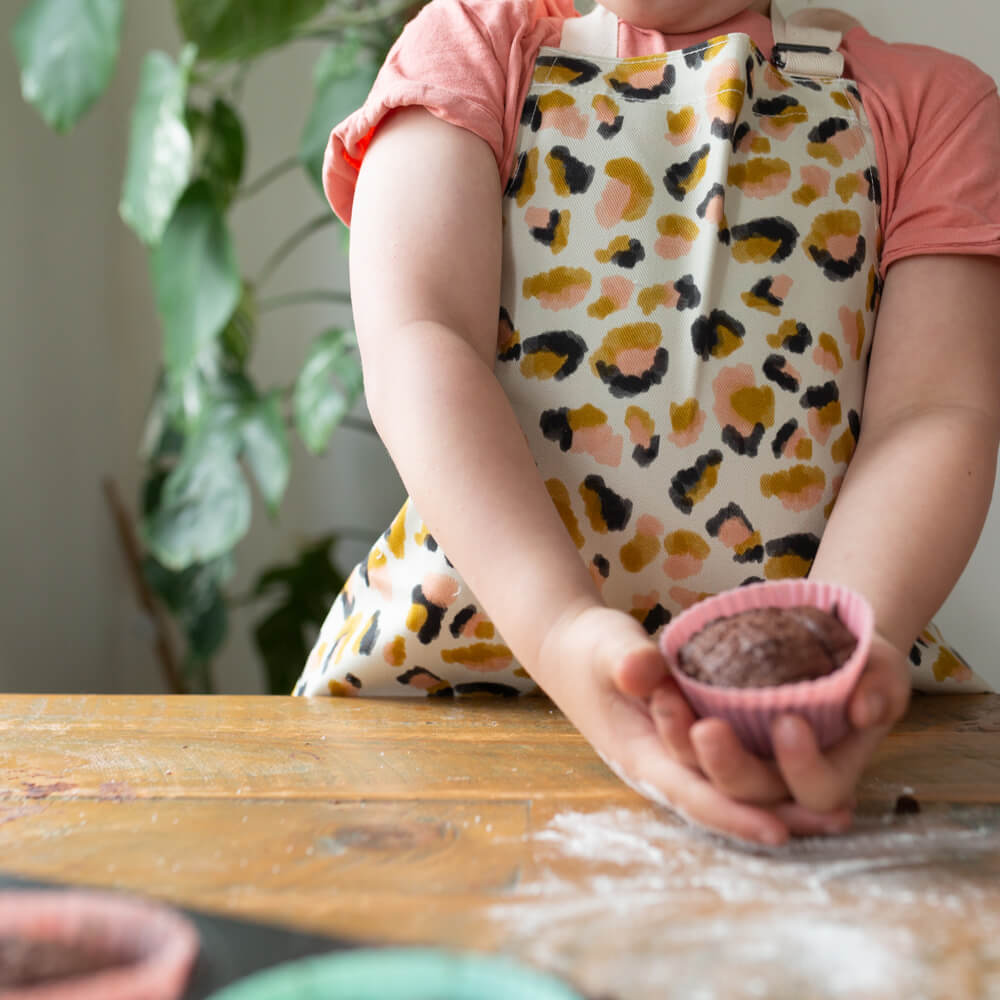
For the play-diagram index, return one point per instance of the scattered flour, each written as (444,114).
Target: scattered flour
(633,905)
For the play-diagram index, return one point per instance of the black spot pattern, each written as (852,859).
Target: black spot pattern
(622,385)
(785,432)
(579,175)
(679,174)
(563,343)
(616,510)
(686,481)
(707,332)
(583,71)
(774,370)
(743,445)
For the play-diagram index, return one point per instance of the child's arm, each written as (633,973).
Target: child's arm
(906,521)
(425,270)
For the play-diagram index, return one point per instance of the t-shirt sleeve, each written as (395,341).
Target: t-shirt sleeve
(462,60)
(938,117)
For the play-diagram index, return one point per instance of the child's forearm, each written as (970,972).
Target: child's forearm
(463,458)
(910,512)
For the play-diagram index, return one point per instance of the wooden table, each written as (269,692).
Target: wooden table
(494,826)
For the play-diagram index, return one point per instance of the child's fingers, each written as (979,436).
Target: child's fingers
(883,692)
(639,670)
(804,822)
(672,718)
(821,782)
(697,801)
(731,768)
(811,778)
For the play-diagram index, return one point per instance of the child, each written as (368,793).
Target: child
(688,216)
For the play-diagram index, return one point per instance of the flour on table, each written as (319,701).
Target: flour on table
(830,917)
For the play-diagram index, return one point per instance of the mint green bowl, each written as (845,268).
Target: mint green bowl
(399,974)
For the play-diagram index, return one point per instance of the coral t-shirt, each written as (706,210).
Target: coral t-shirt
(935,116)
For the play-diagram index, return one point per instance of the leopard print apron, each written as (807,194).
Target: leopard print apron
(689,294)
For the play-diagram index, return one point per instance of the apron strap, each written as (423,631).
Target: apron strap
(808,42)
(593,34)
(805,44)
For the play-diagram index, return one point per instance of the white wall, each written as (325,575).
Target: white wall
(79,352)
(57,614)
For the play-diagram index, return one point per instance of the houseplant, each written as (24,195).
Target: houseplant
(212,428)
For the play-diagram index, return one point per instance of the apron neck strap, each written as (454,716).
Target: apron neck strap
(594,34)
(807,43)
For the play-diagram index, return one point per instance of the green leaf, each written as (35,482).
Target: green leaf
(321,402)
(283,647)
(236,29)
(195,278)
(342,78)
(206,632)
(306,589)
(204,506)
(238,336)
(159,154)
(67,51)
(266,447)
(195,598)
(219,147)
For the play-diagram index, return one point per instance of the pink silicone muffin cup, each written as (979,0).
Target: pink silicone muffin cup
(123,949)
(750,711)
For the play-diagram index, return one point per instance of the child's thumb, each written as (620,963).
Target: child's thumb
(640,670)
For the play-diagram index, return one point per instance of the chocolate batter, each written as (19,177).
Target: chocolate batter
(765,647)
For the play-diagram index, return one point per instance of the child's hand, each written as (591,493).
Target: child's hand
(823,782)
(608,676)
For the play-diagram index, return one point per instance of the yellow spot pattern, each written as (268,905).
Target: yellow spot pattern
(683,415)
(561,500)
(529,181)
(628,337)
(478,653)
(395,653)
(843,447)
(789,567)
(756,250)
(680,121)
(828,344)
(758,171)
(416,617)
(678,225)
(587,416)
(686,543)
(948,665)
(755,405)
(641,187)
(555,100)
(636,414)
(556,281)
(791,481)
(397,532)
(620,244)
(637,554)
(786,331)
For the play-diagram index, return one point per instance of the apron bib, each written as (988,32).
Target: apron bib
(690,285)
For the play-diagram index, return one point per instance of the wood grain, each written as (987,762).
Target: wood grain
(494,826)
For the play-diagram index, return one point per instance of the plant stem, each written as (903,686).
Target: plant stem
(299,236)
(300,298)
(268,177)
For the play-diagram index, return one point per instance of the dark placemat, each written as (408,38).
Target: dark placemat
(230,948)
